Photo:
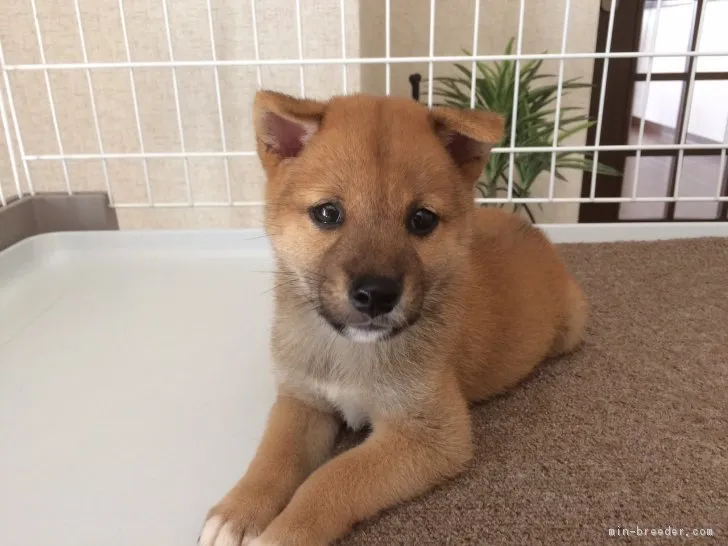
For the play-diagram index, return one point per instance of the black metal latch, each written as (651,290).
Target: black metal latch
(415,80)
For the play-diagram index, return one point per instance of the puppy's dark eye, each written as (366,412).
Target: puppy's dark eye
(327,215)
(422,222)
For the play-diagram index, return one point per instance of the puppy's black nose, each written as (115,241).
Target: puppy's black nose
(374,295)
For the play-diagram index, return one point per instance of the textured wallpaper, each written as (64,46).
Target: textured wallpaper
(201,129)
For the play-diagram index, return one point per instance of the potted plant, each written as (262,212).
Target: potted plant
(535,121)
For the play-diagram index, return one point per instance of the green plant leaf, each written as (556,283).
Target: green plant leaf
(534,123)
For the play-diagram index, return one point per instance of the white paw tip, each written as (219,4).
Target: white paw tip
(209,531)
(261,541)
(249,540)
(214,533)
(226,536)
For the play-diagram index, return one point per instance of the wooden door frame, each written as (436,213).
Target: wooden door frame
(617,109)
(617,98)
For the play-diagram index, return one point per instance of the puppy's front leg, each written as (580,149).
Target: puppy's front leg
(396,463)
(297,439)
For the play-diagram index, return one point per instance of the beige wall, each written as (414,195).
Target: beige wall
(233,32)
(410,22)
(145,24)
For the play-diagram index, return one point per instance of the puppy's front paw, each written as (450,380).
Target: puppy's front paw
(221,532)
(263,542)
(236,521)
(286,530)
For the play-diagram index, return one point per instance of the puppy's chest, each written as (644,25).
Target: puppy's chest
(343,386)
(350,383)
(352,404)
(357,380)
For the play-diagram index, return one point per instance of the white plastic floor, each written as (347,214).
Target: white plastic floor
(135,378)
(134,383)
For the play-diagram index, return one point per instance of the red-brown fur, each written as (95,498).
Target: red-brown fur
(486,297)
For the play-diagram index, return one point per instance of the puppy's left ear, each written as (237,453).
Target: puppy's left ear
(468,135)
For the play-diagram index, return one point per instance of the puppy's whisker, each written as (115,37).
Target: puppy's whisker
(334,336)
(307,305)
(279,285)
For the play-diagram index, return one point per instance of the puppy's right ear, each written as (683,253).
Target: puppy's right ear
(283,125)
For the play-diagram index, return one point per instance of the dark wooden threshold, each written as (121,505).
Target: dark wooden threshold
(681,76)
(53,212)
(718,218)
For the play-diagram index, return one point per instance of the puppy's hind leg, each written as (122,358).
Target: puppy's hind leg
(571,331)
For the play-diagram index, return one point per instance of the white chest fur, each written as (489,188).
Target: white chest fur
(348,401)
(354,379)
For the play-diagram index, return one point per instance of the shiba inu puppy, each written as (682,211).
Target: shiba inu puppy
(398,303)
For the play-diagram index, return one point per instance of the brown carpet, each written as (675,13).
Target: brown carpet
(630,431)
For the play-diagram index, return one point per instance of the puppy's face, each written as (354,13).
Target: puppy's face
(370,203)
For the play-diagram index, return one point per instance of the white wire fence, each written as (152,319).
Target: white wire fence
(24,152)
